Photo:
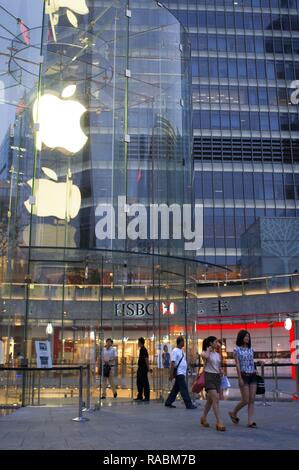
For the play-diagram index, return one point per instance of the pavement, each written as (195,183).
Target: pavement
(142,426)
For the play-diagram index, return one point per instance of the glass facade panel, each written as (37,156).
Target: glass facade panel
(96,109)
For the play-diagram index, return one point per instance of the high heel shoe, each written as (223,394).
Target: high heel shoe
(204,422)
(234,418)
(220,427)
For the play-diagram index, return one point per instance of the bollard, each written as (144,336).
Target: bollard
(80,418)
(87,408)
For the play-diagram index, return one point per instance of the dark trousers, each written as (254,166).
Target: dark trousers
(143,384)
(179,386)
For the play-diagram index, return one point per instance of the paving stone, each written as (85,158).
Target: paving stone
(148,427)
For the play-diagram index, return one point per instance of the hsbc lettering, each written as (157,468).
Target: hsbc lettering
(134,309)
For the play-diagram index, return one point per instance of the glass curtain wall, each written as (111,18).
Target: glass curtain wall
(244,60)
(103,118)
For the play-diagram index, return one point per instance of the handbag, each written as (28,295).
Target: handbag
(199,383)
(225,383)
(106,370)
(260,386)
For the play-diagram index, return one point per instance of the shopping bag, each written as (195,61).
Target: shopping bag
(260,387)
(225,383)
(199,383)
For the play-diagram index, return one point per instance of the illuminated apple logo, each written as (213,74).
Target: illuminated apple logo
(59,121)
(61,200)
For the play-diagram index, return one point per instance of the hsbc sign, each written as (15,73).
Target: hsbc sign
(168,308)
(142,309)
(134,309)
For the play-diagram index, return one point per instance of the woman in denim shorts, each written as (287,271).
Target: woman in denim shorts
(244,357)
(213,372)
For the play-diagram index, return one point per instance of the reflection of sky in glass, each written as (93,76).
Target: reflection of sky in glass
(12,73)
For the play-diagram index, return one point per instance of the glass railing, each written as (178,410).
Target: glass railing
(205,289)
(80,386)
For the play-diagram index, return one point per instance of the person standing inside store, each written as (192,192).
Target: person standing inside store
(108,364)
(142,373)
(166,367)
(213,372)
(178,371)
(244,357)
(165,357)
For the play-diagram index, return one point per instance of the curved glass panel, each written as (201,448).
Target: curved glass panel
(108,123)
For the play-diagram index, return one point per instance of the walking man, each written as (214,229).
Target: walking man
(178,370)
(142,371)
(108,364)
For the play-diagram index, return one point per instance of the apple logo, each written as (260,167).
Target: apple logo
(59,121)
(61,200)
(49,234)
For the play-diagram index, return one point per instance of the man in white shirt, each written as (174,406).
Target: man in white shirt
(108,364)
(178,370)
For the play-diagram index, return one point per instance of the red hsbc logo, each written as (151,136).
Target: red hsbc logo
(168,308)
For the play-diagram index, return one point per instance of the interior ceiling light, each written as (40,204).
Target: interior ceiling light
(288,324)
(49,329)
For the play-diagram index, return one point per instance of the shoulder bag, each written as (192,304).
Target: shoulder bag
(175,370)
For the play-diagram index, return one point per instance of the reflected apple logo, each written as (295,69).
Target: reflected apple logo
(59,121)
(72,6)
(61,200)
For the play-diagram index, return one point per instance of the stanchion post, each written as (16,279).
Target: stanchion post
(80,418)
(23,401)
(276,381)
(87,408)
(38,389)
(264,402)
(297,380)
(132,380)
(32,388)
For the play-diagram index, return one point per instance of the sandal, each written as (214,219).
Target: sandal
(252,425)
(234,418)
(204,422)
(220,427)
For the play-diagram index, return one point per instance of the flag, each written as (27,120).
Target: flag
(24,30)
(138,175)
(50,35)
(20,107)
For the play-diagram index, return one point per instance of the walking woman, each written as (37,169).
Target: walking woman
(213,372)
(244,357)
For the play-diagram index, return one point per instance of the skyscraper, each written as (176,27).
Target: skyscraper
(246,130)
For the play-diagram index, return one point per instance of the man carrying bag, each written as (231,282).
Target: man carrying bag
(178,370)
